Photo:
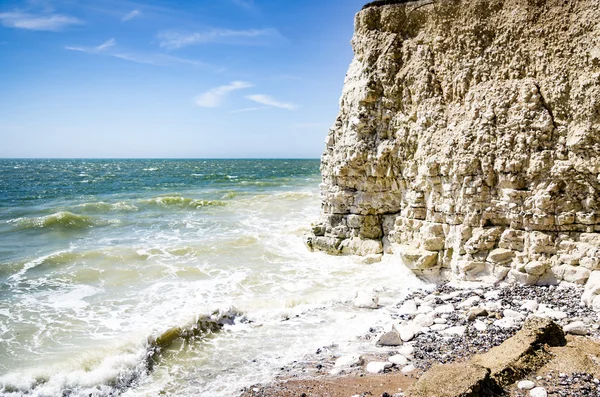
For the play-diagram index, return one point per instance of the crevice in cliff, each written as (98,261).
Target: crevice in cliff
(546,105)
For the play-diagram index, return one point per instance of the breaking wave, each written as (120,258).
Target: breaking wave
(109,375)
(183,202)
(102,207)
(61,220)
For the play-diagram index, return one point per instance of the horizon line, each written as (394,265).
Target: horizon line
(160,158)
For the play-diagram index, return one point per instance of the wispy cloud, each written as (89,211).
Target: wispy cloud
(174,40)
(131,15)
(214,97)
(248,110)
(93,50)
(270,101)
(157,59)
(43,22)
(106,44)
(107,49)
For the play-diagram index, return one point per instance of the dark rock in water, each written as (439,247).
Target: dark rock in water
(391,338)
(455,380)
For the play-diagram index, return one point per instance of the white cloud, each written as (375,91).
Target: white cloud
(173,40)
(93,50)
(148,58)
(214,97)
(49,22)
(131,15)
(270,101)
(247,110)
(106,44)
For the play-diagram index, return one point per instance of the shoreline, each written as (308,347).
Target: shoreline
(450,324)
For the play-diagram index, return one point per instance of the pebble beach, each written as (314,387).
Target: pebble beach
(443,324)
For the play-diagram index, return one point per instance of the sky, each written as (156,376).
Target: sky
(171,79)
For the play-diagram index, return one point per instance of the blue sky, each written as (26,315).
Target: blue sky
(158,78)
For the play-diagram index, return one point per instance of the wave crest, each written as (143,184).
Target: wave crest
(61,220)
(183,202)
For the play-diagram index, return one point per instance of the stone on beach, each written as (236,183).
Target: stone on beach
(525,385)
(391,338)
(576,328)
(366,300)
(348,361)
(538,392)
(377,367)
(398,359)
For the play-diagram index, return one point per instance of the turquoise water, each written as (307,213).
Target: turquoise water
(98,258)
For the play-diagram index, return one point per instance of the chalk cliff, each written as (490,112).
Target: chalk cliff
(468,141)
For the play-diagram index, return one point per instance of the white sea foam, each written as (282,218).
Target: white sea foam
(85,319)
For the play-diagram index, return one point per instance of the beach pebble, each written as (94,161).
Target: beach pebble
(348,361)
(513,313)
(530,305)
(538,392)
(458,330)
(406,350)
(408,308)
(506,322)
(377,367)
(480,325)
(576,328)
(440,320)
(366,300)
(447,308)
(557,315)
(469,302)
(525,385)
(425,309)
(423,320)
(398,359)
(391,338)
(475,312)
(492,295)
(429,298)
(492,306)
(438,327)
(406,334)
(408,369)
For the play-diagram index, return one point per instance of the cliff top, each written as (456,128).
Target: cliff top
(379,3)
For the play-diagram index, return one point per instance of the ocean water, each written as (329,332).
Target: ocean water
(102,260)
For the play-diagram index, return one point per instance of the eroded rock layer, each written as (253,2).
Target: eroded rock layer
(468,140)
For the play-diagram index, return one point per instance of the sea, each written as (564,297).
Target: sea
(171,277)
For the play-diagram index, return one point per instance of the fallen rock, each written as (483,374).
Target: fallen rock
(454,380)
(523,353)
(391,338)
(476,312)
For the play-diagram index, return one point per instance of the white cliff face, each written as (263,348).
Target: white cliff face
(468,140)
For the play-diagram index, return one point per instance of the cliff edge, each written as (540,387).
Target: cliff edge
(468,141)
